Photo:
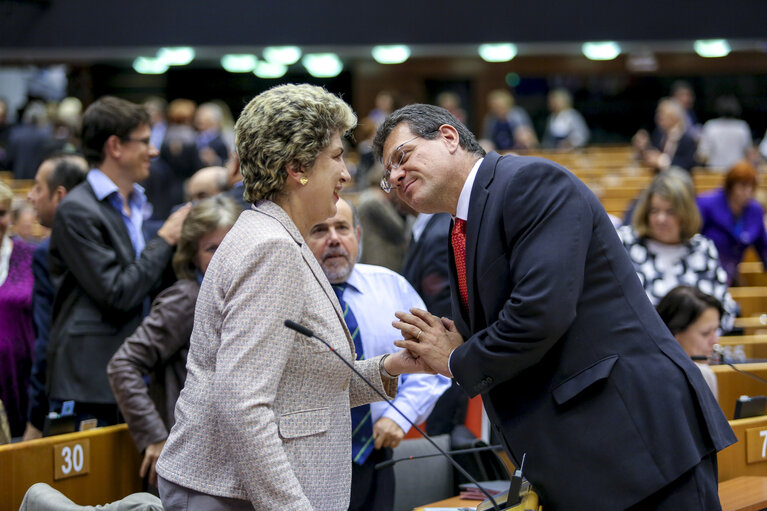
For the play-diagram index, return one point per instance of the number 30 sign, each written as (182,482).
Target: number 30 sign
(71,459)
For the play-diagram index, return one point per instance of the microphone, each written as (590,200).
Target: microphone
(723,357)
(388,463)
(308,333)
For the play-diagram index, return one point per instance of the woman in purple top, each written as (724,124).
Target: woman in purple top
(733,219)
(16,331)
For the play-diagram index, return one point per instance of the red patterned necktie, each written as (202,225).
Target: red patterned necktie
(458,239)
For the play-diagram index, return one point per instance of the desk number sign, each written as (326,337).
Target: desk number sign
(71,459)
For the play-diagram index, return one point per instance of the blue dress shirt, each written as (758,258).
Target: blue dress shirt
(105,188)
(375,293)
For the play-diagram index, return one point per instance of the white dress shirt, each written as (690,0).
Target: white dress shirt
(374,294)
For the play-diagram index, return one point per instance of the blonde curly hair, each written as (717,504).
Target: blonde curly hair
(283,125)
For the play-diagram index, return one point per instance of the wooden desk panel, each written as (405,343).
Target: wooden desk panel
(732,384)
(113,474)
(746,493)
(732,460)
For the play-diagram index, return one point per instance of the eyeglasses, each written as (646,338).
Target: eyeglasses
(146,141)
(397,158)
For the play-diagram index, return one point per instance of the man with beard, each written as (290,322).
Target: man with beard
(369,296)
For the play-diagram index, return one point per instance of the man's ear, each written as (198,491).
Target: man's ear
(450,136)
(58,194)
(113,146)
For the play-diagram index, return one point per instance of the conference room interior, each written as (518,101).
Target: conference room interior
(617,62)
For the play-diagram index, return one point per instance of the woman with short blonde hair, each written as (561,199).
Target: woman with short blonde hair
(666,248)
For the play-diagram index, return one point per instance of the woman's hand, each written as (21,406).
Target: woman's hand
(403,362)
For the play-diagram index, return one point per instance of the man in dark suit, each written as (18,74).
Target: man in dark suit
(56,176)
(101,265)
(553,328)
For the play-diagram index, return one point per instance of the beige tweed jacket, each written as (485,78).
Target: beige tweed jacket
(264,415)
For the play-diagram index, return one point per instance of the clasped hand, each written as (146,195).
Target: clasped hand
(428,339)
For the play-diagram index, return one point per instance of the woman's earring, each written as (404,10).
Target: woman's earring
(303,180)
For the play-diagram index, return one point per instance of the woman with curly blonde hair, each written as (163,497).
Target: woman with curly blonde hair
(264,419)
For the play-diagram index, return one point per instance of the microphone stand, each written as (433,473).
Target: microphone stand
(308,333)
(388,463)
(724,360)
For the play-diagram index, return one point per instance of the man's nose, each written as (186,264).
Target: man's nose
(396,176)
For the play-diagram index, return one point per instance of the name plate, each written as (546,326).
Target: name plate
(71,459)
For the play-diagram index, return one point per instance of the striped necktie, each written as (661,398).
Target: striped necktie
(362,424)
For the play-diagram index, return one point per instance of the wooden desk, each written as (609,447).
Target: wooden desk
(112,472)
(529,503)
(451,502)
(745,493)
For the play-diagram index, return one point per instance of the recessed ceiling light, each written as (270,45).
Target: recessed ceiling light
(239,63)
(711,48)
(497,52)
(392,54)
(286,55)
(605,50)
(270,70)
(149,66)
(322,65)
(177,56)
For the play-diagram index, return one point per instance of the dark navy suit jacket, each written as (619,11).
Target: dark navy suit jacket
(574,365)
(42,301)
(426,265)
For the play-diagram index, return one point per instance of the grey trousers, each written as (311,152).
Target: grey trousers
(179,498)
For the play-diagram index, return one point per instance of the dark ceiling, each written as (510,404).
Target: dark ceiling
(83,23)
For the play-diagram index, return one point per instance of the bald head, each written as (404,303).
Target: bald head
(206,183)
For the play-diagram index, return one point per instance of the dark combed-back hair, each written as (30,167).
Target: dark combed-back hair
(69,170)
(106,117)
(683,305)
(424,121)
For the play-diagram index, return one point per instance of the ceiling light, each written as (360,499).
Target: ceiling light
(606,50)
(178,56)
(712,47)
(322,65)
(393,54)
(149,66)
(497,52)
(239,63)
(286,55)
(270,70)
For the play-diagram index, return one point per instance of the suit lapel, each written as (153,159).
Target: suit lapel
(477,203)
(276,212)
(116,225)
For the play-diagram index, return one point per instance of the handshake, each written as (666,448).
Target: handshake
(428,342)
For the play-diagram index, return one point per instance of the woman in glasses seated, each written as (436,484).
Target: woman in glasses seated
(693,318)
